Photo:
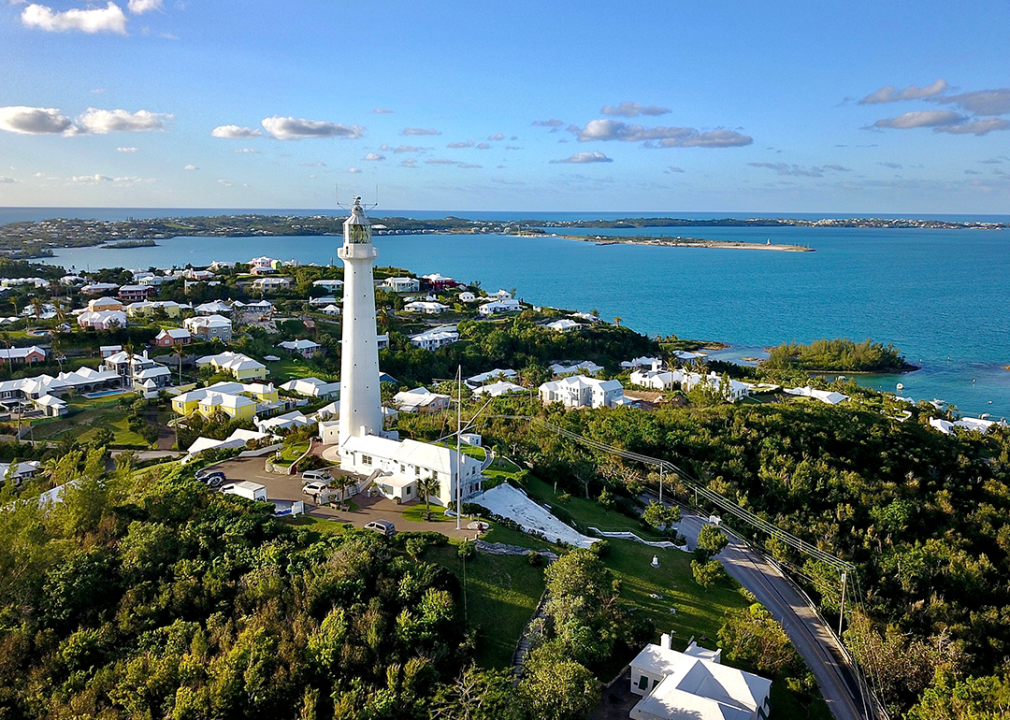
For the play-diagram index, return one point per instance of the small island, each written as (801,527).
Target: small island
(839,355)
(667,241)
(127,244)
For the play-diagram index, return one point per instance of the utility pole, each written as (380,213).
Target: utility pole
(661,483)
(841,613)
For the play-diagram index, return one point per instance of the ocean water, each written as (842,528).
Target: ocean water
(941,296)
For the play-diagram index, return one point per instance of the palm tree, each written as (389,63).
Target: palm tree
(179,350)
(427,487)
(617,321)
(56,347)
(37,307)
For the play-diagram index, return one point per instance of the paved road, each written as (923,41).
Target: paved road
(812,638)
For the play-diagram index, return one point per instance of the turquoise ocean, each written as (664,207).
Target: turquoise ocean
(941,296)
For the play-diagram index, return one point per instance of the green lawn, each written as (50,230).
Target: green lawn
(290,453)
(289,368)
(587,513)
(500,595)
(83,420)
(415,513)
(316,526)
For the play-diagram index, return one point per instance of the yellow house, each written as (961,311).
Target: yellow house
(104,304)
(234,406)
(239,366)
(146,308)
(234,399)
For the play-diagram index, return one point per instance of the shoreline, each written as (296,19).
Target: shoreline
(685,243)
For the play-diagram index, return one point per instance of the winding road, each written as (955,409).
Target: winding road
(813,640)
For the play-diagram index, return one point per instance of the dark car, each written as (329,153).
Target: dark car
(383,527)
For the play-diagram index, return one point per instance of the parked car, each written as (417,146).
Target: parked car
(316,475)
(226,489)
(216,481)
(204,475)
(383,527)
(314,488)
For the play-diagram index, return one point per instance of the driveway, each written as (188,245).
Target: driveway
(813,640)
(289,487)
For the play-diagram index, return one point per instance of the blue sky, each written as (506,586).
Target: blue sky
(862,107)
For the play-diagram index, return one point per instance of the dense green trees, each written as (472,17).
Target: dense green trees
(840,355)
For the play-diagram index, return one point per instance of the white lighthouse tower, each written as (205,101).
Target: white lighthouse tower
(360,399)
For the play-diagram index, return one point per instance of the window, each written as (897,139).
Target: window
(417,470)
(643,683)
(366,459)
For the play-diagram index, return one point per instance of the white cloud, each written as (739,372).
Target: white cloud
(439,161)
(403,149)
(976,127)
(382,111)
(421,131)
(585,157)
(666,137)
(139,7)
(912,92)
(4,180)
(191,167)
(552,123)
(318,163)
(374,157)
(409,163)
(483,146)
(234,132)
(110,19)
(353,170)
(126,149)
(226,183)
(34,121)
(105,121)
(469,166)
(496,137)
(981,102)
(91,178)
(798,171)
(460,144)
(920,118)
(291,128)
(246,151)
(633,109)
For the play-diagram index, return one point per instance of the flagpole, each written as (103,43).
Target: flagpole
(459,425)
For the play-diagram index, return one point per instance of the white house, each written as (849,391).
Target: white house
(496,307)
(209,327)
(657,379)
(271,284)
(467,296)
(409,458)
(566,368)
(578,391)
(642,362)
(434,338)
(213,308)
(402,284)
(563,325)
(733,391)
(478,380)
(825,396)
(694,684)
(419,400)
(503,295)
(102,319)
(312,387)
(504,387)
(99,288)
(428,308)
(322,301)
(331,310)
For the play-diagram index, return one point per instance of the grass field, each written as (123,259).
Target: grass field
(587,513)
(85,416)
(501,593)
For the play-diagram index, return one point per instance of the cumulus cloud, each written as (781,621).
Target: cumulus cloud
(660,136)
(108,19)
(139,7)
(246,151)
(409,163)
(403,149)
(633,109)
(191,167)
(91,178)
(126,149)
(890,93)
(552,123)
(946,121)
(226,183)
(512,147)
(440,161)
(483,146)
(291,128)
(980,102)
(420,131)
(4,180)
(353,170)
(920,118)
(34,121)
(496,137)
(585,157)
(460,144)
(798,171)
(976,127)
(234,132)
(382,111)
(101,122)
(374,157)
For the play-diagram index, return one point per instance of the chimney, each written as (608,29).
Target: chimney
(665,642)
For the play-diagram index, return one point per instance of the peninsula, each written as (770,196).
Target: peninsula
(687,242)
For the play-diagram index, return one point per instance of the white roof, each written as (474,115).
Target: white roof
(418,397)
(411,452)
(299,345)
(499,388)
(831,398)
(175,333)
(562,324)
(489,375)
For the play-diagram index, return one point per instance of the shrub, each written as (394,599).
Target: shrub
(535,559)
(600,548)
(467,549)
(415,547)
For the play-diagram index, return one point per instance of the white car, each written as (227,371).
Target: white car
(314,488)
(316,475)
